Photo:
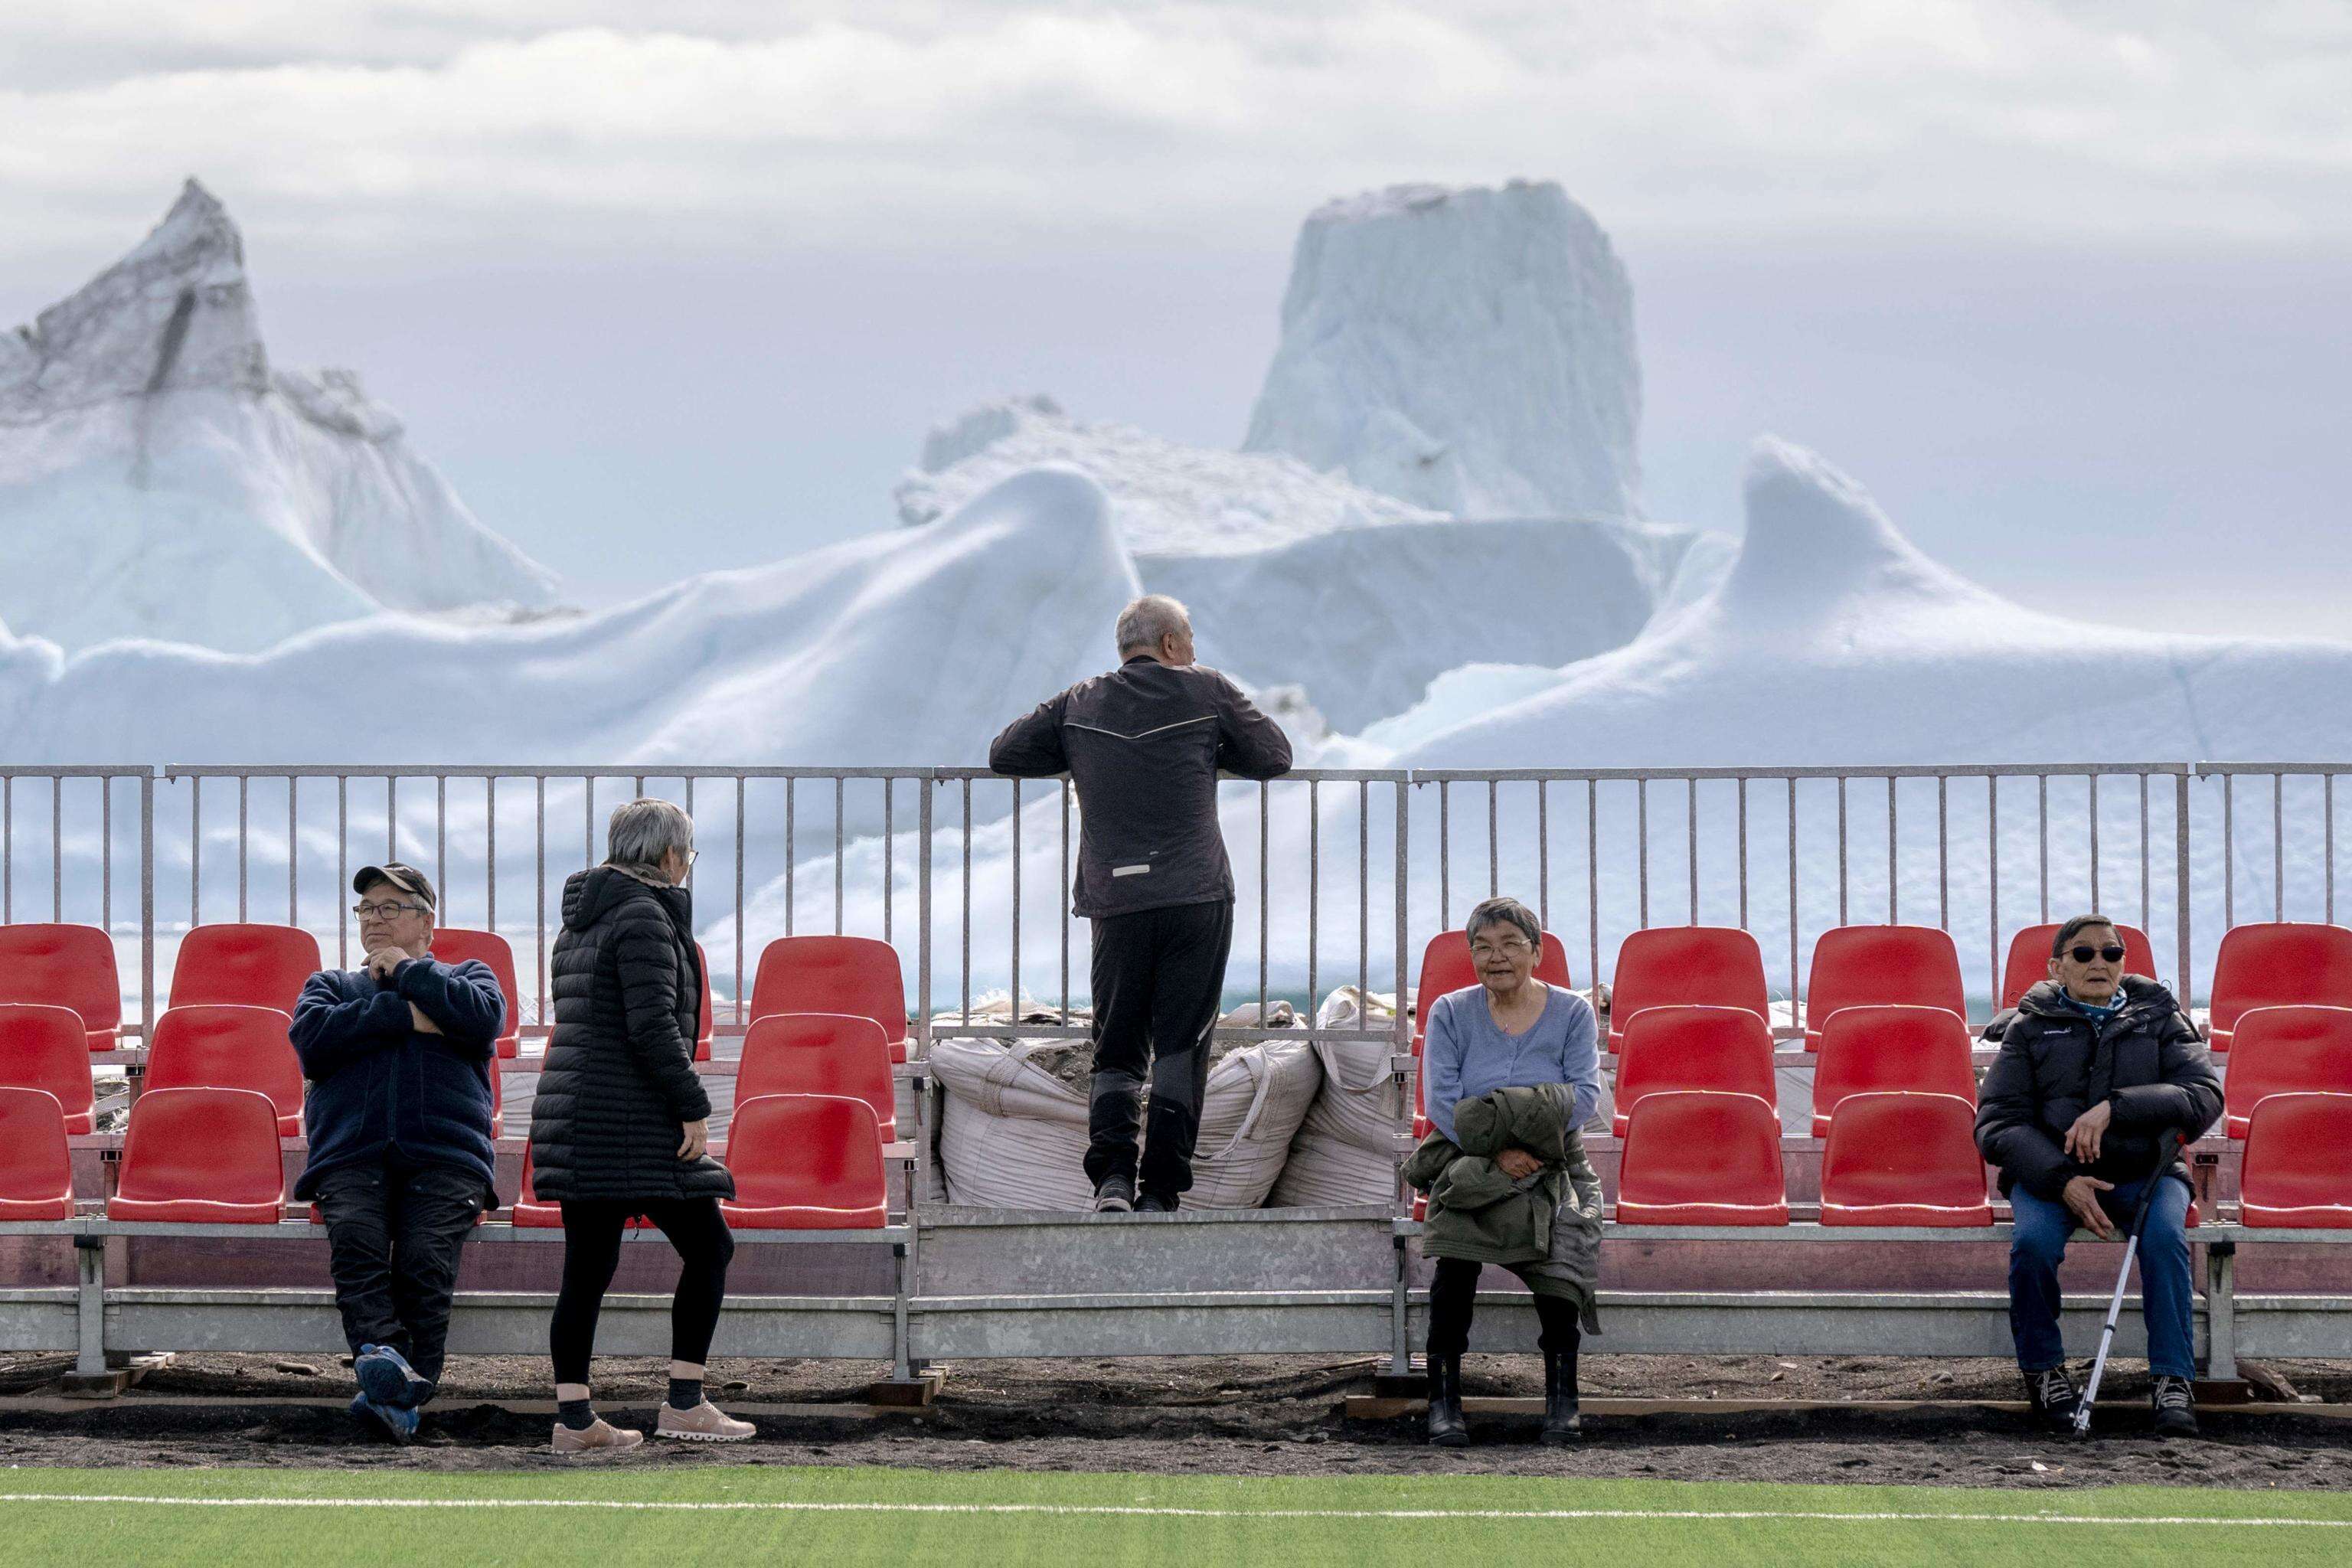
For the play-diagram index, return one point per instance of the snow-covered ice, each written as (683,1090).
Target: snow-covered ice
(160,477)
(1470,351)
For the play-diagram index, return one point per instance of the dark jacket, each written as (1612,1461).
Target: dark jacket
(619,1084)
(1143,745)
(2054,1064)
(1547,1229)
(379,1085)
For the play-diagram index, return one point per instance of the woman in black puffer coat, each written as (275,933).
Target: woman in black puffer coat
(621,1120)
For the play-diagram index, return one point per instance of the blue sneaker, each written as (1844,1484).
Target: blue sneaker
(387,1378)
(398,1424)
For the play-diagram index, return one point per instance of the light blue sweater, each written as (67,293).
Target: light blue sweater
(1465,1055)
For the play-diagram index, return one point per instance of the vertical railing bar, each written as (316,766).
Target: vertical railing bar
(244,796)
(1841,863)
(792,853)
(966,937)
(2042,828)
(1796,1011)
(689,817)
(1402,1037)
(342,866)
(1993,877)
(743,853)
(2278,846)
(2144,923)
(106,855)
(7,849)
(539,886)
(1642,838)
(1314,885)
(196,850)
(841,846)
(441,833)
(1943,855)
(1543,853)
(293,842)
(889,801)
(1494,843)
(1444,860)
(392,816)
(1894,911)
(1592,882)
(1265,878)
(2229,851)
(1062,892)
(491,855)
(2094,843)
(57,848)
(923,815)
(2186,989)
(1015,986)
(1742,811)
(147,907)
(2327,857)
(1690,850)
(1363,907)
(587,820)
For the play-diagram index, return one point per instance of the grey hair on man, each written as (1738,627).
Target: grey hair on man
(1504,911)
(1144,622)
(644,832)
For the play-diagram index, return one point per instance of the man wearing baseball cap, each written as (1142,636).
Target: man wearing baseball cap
(398,1054)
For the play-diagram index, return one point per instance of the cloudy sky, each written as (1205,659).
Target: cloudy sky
(2065,281)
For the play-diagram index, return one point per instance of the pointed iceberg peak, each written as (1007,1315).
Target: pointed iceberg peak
(175,312)
(1469,351)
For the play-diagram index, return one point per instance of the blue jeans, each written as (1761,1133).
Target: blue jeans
(2167,1294)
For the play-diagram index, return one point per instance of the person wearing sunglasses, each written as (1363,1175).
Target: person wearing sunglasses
(2096,1067)
(398,1118)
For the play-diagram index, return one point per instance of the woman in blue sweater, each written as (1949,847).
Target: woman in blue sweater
(1509,1030)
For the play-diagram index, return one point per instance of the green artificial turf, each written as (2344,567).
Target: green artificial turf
(1038,1519)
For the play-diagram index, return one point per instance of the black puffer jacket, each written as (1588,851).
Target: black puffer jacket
(2054,1065)
(619,1082)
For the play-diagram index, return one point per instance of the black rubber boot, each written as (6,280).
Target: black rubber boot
(1563,1423)
(1447,1429)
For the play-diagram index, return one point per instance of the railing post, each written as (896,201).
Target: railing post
(146,905)
(89,1314)
(2187,990)
(2221,1311)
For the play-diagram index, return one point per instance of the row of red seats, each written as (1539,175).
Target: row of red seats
(802,1161)
(1893,1158)
(2268,965)
(239,964)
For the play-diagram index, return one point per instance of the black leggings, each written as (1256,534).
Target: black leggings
(592,1250)
(1454,1290)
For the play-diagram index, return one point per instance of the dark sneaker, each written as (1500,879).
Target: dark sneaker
(394,1422)
(2053,1397)
(2175,1408)
(1114,1195)
(1156,1203)
(386,1377)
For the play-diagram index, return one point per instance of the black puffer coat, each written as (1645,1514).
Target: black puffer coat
(2147,1063)
(619,1082)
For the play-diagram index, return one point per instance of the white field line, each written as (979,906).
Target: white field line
(1806,1516)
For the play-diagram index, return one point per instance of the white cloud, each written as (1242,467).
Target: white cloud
(453,124)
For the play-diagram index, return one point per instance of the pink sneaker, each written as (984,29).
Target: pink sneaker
(600,1436)
(706,1423)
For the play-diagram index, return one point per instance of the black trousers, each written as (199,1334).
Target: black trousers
(591,1251)
(1456,1289)
(1158,976)
(393,1230)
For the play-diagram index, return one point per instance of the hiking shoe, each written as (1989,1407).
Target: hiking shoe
(1156,1203)
(703,1424)
(2053,1397)
(395,1422)
(386,1377)
(1115,1194)
(2175,1408)
(598,1435)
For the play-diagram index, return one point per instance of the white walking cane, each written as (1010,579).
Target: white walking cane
(2166,1150)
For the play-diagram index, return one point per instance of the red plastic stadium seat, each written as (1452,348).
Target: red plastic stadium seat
(2029,959)
(528,1211)
(244,965)
(35,1170)
(201,1156)
(44,1049)
(1921,1050)
(805,1162)
(2278,964)
(1668,966)
(706,1030)
(1702,1157)
(820,1053)
(1446,966)
(1895,1158)
(2295,1173)
(1669,1048)
(457,944)
(853,974)
(1863,966)
(64,966)
(2285,1050)
(229,1047)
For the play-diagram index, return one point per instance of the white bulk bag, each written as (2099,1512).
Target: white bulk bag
(1345,1150)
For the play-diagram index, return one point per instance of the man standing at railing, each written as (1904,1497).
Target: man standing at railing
(397,1052)
(2093,1072)
(1143,745)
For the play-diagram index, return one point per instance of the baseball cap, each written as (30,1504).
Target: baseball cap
(407,879)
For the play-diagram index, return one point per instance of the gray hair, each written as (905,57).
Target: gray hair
(1504,911)
(644,831)
(1142,623)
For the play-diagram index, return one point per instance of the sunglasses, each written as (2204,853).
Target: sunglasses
(2083,954)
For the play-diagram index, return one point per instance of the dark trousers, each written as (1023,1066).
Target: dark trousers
(1158,978)
(591,1251)
(392,1234)
(1455,1290)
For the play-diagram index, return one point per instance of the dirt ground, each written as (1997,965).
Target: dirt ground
(1255,1416)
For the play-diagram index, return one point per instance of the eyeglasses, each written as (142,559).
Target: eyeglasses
(385,911)
(1510,947)
(2082,954)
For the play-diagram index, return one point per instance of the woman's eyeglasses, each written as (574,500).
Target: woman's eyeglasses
(2083,954)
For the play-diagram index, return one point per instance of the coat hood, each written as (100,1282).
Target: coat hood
(589,896)
(2140,995)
